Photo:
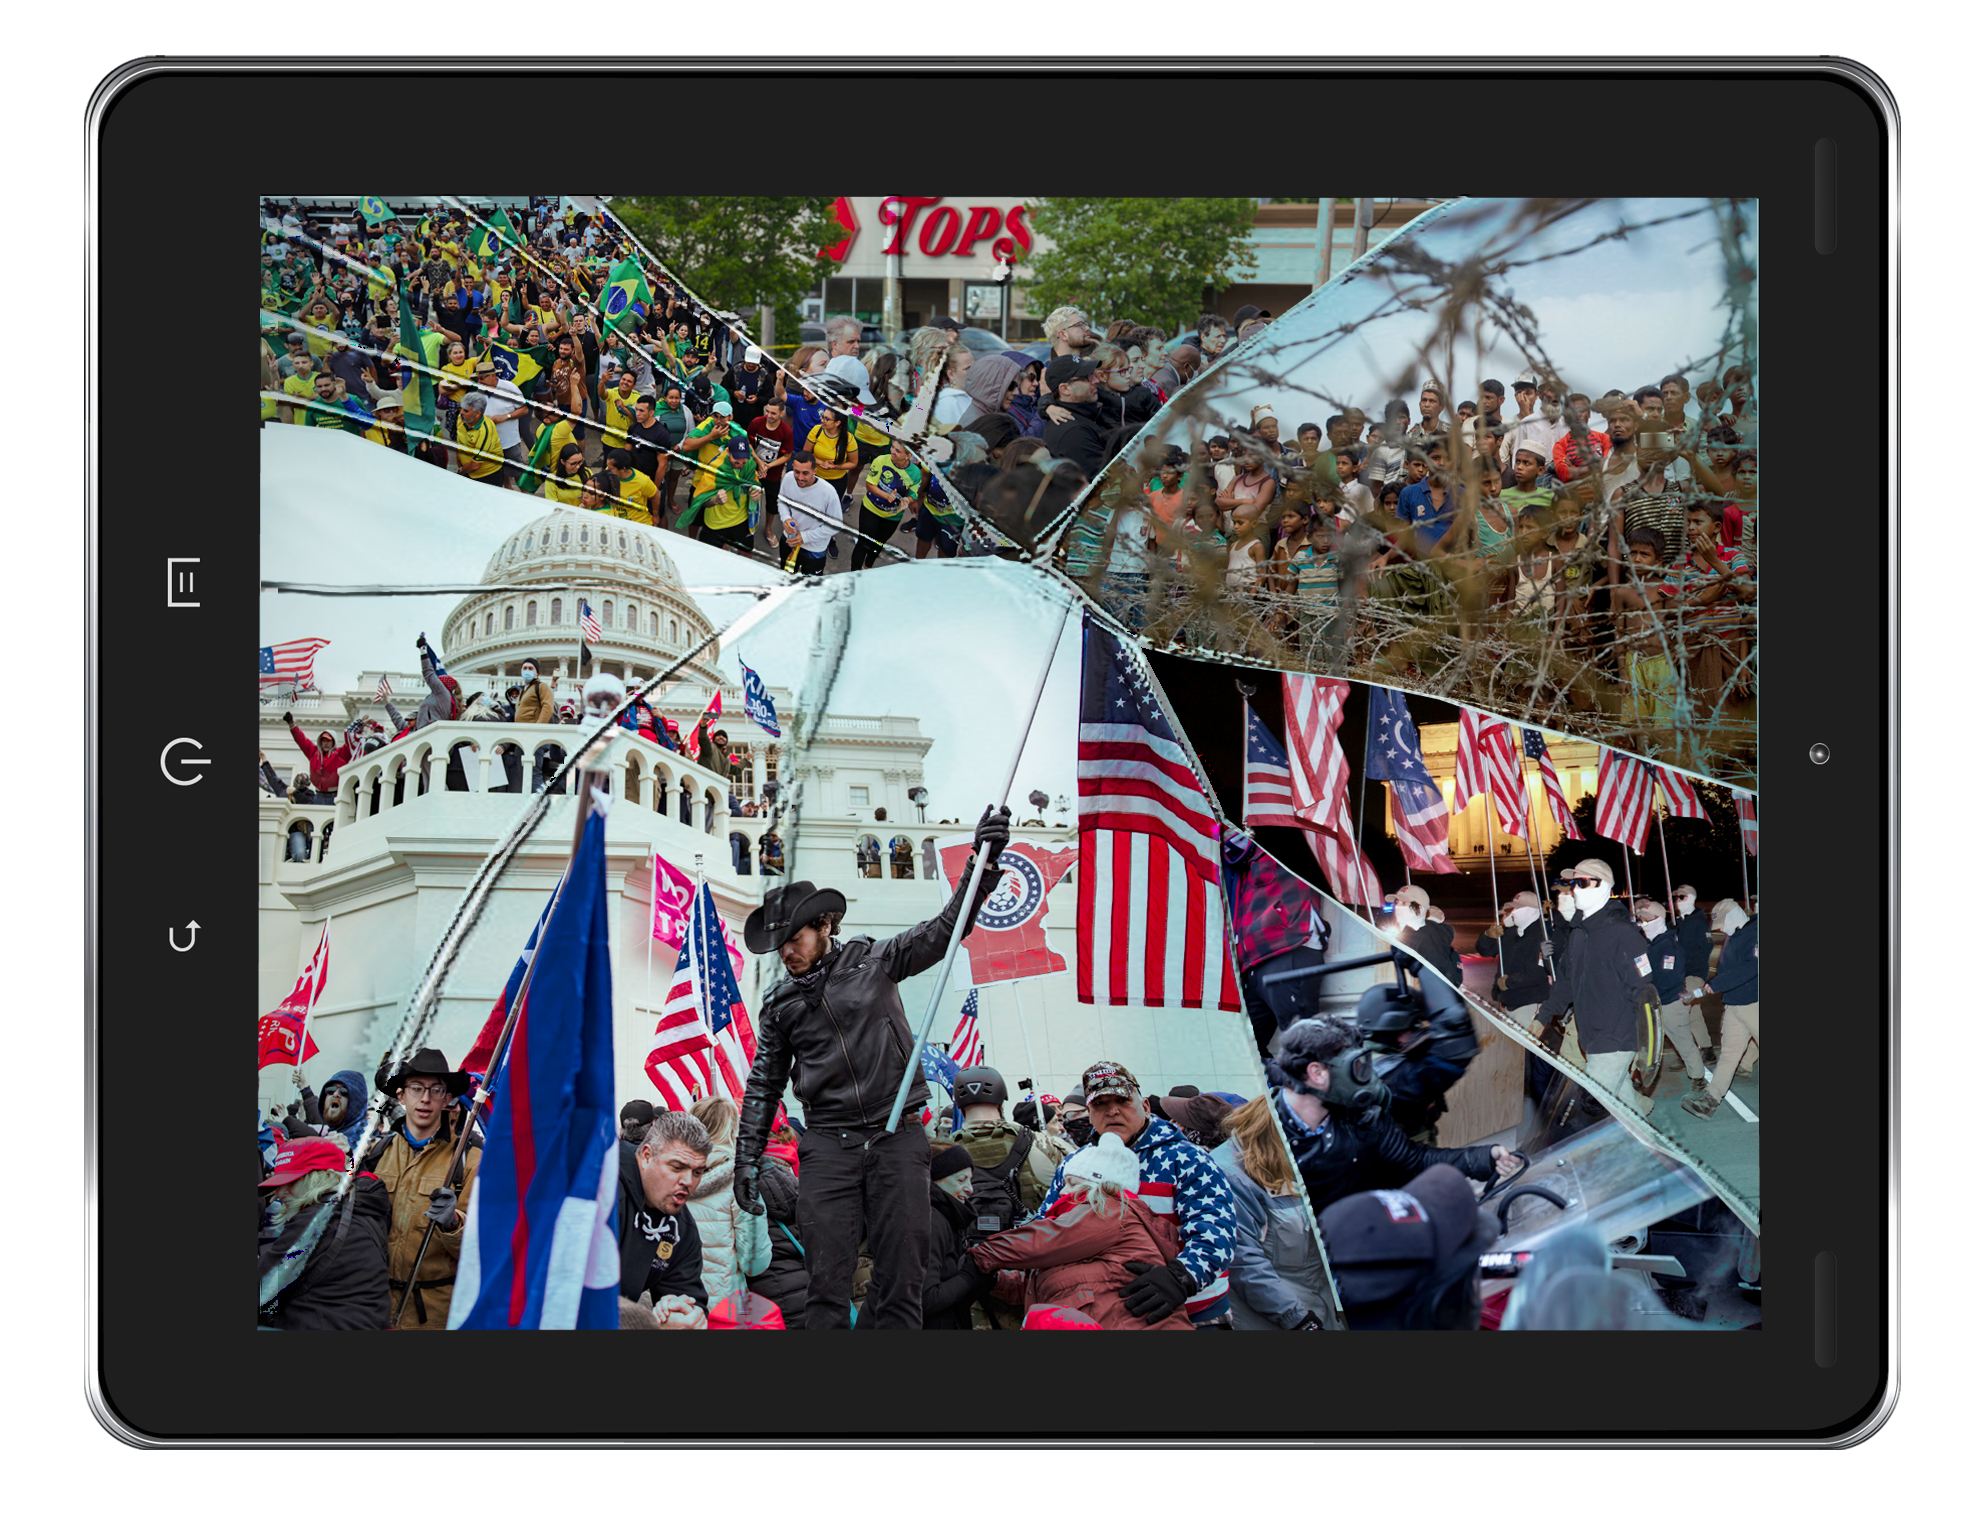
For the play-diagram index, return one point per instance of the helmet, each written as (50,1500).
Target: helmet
(980,1085)
(1387,1010)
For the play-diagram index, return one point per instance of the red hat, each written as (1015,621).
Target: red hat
(745,1311)
(306,1155)
(1058,1318)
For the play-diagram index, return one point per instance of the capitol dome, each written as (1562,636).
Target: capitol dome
(537,576)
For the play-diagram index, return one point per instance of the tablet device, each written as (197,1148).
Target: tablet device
(407,588)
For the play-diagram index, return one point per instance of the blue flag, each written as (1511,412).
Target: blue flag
(754,695)
(540,1250)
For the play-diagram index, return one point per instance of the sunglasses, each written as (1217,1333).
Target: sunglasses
(1580,882)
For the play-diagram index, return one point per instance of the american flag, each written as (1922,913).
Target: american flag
(593,629)
(1533,747)
(1626,799)
(1151,927)
(383,688)
(704,1042)
(1746,815)
(1265,780)
(1393,757)
(294,662)
(966,1049)
(1319,772)
(1682,800)
(1486,763)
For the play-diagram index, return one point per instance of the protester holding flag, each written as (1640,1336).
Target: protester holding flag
(415,1160)
(1517,941)
(839,1025)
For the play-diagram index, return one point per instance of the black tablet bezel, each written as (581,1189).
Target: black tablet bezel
(166,152)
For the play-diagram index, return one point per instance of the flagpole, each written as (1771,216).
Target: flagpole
(1666,868)
(1536,882)
(1365,868)
(971,884)
(1743,850)
(315,994)
(484,1096)
(1028,1056)
(1489,835)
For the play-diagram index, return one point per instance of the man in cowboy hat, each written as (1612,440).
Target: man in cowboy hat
(415,1161)
(838,1024)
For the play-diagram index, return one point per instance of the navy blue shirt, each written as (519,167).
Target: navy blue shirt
(1417,510)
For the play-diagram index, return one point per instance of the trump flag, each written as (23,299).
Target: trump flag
(1008,941)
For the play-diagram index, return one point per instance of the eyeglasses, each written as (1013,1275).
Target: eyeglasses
(421,1091)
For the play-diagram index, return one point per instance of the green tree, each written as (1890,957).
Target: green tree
(1148,258)
(740,250)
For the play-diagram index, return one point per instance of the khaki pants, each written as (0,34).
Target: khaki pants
(1611,1074)
(1696,1023)
(1738,1046)
(1679,1023)
(1570,1052)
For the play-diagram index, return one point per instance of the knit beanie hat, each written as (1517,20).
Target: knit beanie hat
(951,1160)
(1106,1161)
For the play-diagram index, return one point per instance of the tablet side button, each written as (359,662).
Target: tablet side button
(1825,196)
(1825,1310)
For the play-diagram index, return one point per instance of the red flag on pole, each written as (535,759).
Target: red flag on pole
(1008,940)
(693,737)
(284,1035)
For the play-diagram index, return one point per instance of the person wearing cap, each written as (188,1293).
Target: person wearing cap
(1538,425)
(345,1285)
(838,1027)
(1407,1258)
(415,1160)
(1094,1248)
(1518,942)
(1736,980)
(954,1282)
(1180,1183)
(389,431)
(1664,949)
(1690,927)
(750,386)
(706,443)
(635,1119)
(1333,1108)
(728,511)
(1080,438)
(1606,979)
(1432,942)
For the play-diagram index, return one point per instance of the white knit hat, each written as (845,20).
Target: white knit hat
(1106,1161)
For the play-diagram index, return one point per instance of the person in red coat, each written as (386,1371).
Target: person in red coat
(1078,1254)
(325,762)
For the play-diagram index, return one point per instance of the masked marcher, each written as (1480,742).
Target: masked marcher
(536,701)
(1013,1167)
(1691,929)
(1735,980)
(415,1160)
(1431,941)
(1608,977)
(1077,1120)
(838,1025)
(1408,1258)
(1516,942)
(1664,957)
(1277,1278)
(1333,1112)
(344,1284)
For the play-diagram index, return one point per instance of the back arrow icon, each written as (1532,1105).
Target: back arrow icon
(191,936)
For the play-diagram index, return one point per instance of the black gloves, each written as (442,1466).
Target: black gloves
(746,1195)
(421,641)
(1157,1292)
(311,1107)
(1310,1323)
(445,1208)
(993,829)
(295,1126)
(287,718)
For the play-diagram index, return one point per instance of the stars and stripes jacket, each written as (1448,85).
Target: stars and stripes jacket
(1180,1180)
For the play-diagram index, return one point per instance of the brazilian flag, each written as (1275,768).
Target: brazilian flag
(421,408)
(487,239)
(517,365)
(624,289)
(374,211)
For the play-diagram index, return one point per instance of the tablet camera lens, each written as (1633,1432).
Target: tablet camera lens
(1820,753)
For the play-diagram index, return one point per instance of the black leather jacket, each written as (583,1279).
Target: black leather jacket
(849,1049)
(1345,1156)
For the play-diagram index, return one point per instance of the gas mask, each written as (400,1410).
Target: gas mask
(1355,1086)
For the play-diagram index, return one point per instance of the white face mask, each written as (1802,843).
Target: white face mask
(528,673)
(1653,926)
(1411,917)
(1592,900)
(1524,917)
(1733,919)
(1684,904)
(1567,905)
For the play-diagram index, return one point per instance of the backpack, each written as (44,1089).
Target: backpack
(997,1200)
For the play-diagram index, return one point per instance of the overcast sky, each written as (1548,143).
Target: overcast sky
(1616,316)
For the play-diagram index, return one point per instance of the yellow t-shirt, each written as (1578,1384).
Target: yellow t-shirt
(447,252)
(568,491)
(479,447)
(635,496)
(319,343)
(301,389)
(618,417)
(464,372)
(381,282)
(829,450)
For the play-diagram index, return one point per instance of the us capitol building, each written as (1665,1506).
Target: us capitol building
(389,862)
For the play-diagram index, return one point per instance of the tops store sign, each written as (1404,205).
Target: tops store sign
(935,236)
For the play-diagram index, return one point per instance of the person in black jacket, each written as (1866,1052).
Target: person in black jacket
(1341,1137)
(838,1026)
(1432,942)
(345,1285)
(1691,929)
(1736,981)
(1516,942)
(1664,957)
(1082,438)
(658,1240)
(786,1280)
(953,1281)
(1608,977)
